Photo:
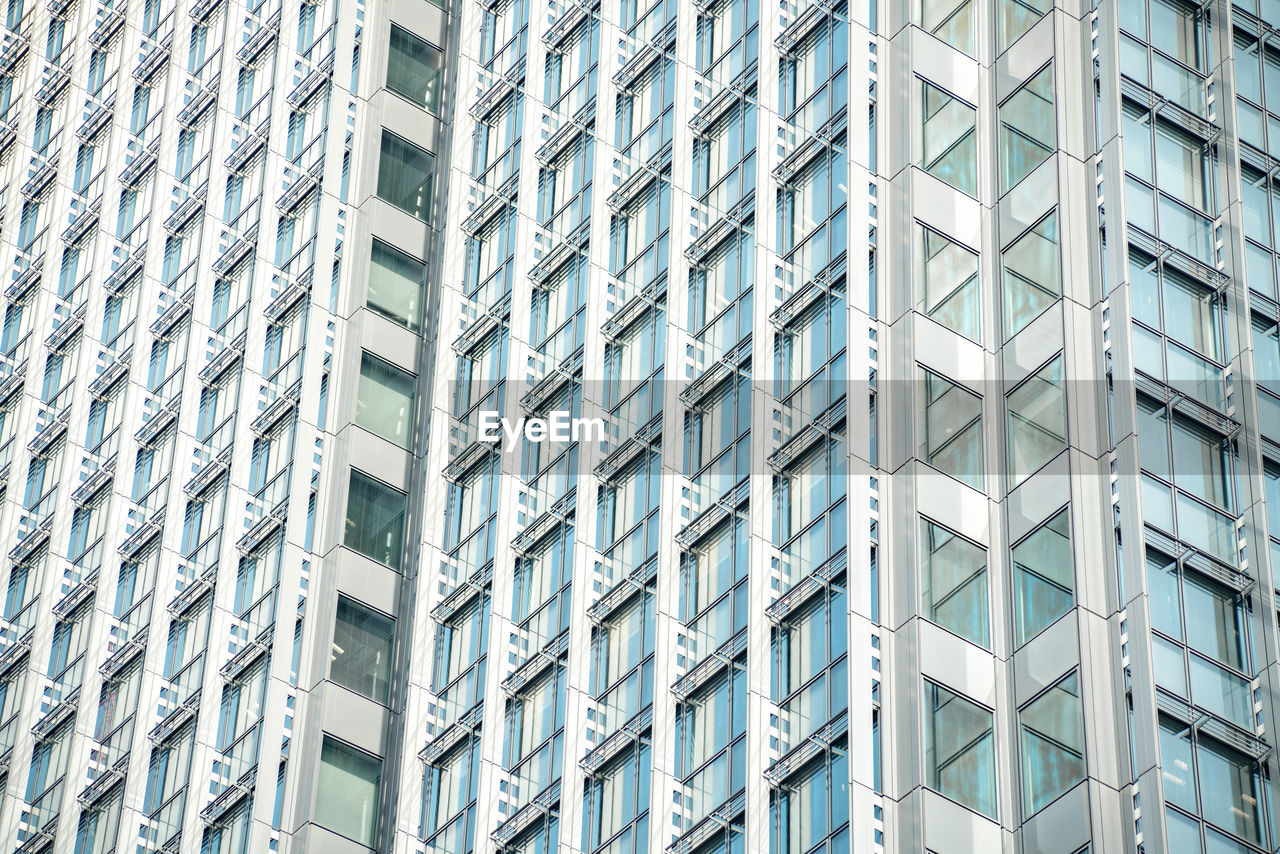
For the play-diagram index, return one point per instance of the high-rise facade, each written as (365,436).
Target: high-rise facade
(926,360)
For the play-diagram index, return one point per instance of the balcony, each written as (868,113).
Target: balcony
(202,10)
(96,119)
(124,654)
(137,169)
(104,783)
(67,330)
(176,312)
(257,42)
(108,25)
(236,253)
(59,714)
(8,134)
(311,85)
(185,212)
(199,104)
(83,225)
(300,189)
(40,178)
(142,536)
(54,85)
(800,19)
(25,282)
(154,60)
(50,433)
(13,49)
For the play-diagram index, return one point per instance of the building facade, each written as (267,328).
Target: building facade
(935,519)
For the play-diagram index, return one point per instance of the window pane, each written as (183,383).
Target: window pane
(1191,314)
(384,402)
(413,69)
(361,654)
(1052,744)
(1215,621)
(950,283)
(1028,130)
(950,139)
(1201,462)
(960,751)
(954,583)
(1175,764)
(395,285)
(952,430)
(405,174)
(347,791)
(1044,580)
(950,21)
(1229,787)
(1032,275)
(1182,166)
(1037,421)
(375,519)
(1015,17)
(1184,832)
(1175,29)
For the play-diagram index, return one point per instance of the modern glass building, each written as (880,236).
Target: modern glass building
(927,360)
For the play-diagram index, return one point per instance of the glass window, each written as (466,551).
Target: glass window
(1032,275)
(953,582)
(1052,744)
(347,791)
(361,654)
(395,285)
(1028,129)
(1015,17)
(384,402)
(413,69)
(1210,620)
(814,805)
(1037,421)
(950,289)
(950,139)
(375,519)
(950,21)
(451,786)
(960,750)
(1043,577)
(952,429)
(1176,764)
(617,797)
(1229,789)
(405,176)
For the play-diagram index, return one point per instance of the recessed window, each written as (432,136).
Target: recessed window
(395,285)
(406,174)
(954,583)
(950,21)
(1015,17)
(413,69)
(1032,275)
(360,658)
(1028,129)
(375,519)
(1037,421)
(1052,744)
(950,139)
(951,432)
(960,750)
(1043,577)
(949,283)
(384,401)
(347,791)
